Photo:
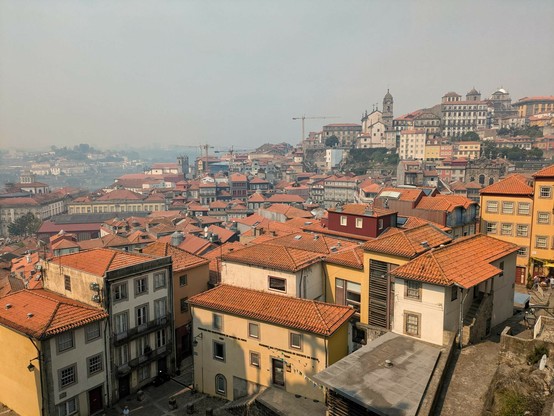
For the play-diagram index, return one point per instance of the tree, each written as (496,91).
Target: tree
(331,141)
(26,225)
(470,136)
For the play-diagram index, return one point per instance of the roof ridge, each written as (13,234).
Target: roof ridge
(439,266)
(110,262)
(324,323)
(45,329)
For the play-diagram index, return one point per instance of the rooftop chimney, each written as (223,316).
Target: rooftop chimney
(177,238)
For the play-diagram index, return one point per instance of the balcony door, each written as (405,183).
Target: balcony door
(278,368)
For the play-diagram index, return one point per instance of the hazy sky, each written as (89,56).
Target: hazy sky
(115,73)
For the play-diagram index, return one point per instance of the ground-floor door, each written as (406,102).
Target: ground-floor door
(521,278)
(162,365)
(278,372)
(124,386)
(95,403)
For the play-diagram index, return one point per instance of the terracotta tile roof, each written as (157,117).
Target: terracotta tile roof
(288,211)
(274,257)
(412,222)
(238,177)
(101,260)
(121,194)
(257,180)
(110,240)
(285,198)
(408,243)
(218,204)
(256,197)
(547,172)
(361,209)
(300,314)
(312,242)
(192,244)
(512,185)
(403,193)
(51,313)
(353,258)
(223,233)
(444,202)
(182,260)
(465,262)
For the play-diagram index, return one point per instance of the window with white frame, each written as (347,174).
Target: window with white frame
(491,227)
(343,220)
(141,315)
(144,372)
(522,230)
(522,251)
(160,338)
(220,384)
(253,330)
(543,218)
(413,289)
(65,341)
(217,321)
(541,241)
(523,208)
(119,291)
(159,280)
(219,351)
(492,206)
(94,364)
(545,192)
(141,285)
(92,331)
(506,229)
(507,207)
(296,340)
(69,407)
(412,323)
(359,222)
(68,375)
(277,283)
(121,322)
(255,359)
(122,354)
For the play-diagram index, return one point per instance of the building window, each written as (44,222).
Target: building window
(506,229)
(122,354)
(121,322)
(412,323)
(159,280)
(144,372)
(219,351)
(67,282)
(254,359)
(65,341)
(522,251)
(183,280)
(120,292)
(453,293)
(541,241)
(253,330)
(522,230)
(413,289)
(543,218)
(141,286)
(359,222)
(296,340)
(276,283)
(217,321)
(380,223)
(507,207)
(343,220)
(92,331)
(220,384)
(69,407)
(523,208)
(184,305)
(142,315)
(348,293)
(491,228)
(160,338)
(492,206)
(68,375)
(545,192)
(94,364)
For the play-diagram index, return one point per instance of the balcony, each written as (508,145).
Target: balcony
(132,333)
(124,369)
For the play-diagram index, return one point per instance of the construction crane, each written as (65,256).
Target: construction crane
(309,118)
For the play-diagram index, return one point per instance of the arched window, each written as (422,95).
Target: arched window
(482,179)
(491,181)
(220,384)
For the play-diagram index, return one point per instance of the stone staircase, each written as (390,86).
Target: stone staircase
(469,319)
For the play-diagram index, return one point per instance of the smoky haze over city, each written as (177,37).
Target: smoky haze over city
(141,72)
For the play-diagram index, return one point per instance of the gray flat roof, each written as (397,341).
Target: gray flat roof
(363,378)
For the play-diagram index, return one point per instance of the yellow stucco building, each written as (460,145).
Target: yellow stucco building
(542,231)
(246,339)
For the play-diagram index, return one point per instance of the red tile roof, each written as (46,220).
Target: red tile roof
(182,260)
(444,202)
(408,243)
(288,211)
(101,260)
(51,313)
(465,262)
(120,194)
(300,314)
(353,258)
(512,185)
(274,257)
(285,198)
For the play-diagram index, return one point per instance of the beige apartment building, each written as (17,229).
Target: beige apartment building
(120,200)
(412,144)
(542,231)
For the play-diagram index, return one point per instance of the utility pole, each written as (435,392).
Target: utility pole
(309,118)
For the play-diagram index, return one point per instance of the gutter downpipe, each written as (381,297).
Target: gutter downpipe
(42,372)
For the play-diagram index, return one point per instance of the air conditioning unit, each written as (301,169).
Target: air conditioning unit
(96,298)
(95,286)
